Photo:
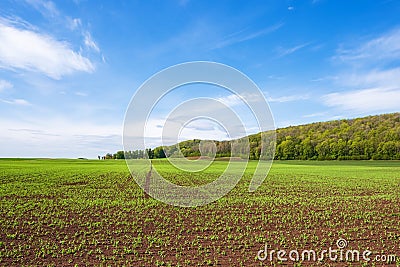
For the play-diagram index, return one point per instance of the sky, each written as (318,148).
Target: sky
(68,69)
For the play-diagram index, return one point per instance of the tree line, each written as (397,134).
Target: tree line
(373,137)
(134,154)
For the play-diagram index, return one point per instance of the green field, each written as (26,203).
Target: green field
(86,212)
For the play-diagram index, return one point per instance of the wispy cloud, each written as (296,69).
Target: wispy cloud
(389,78)
(289,98)
(243,35)
(5,85)
(367,100)
(90,43)
(275,77)
(57,137)
(17,101)
(73,23)
(325,78)
(44,53)
(49,10)
(313,115)
(46,8)
(231,100)
(33,132)
(81,94)
(374,76)
(287,51)
(379,49)
(234,100)
(16,22)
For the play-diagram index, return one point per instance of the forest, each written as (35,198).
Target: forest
(373,137)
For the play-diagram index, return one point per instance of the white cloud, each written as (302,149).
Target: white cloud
(43,54)
(366,100)
(46,8)
(17,22)
(90,43)
(57,137)
(4,85)
(74,24)
(203,129)
(239,36)
(230,100)
(49,10)
(325,78)
(17,101)
(374,78)
(81,94)
(235,100)
(389,78)
(290,98)
(275,77)
(287,51)
(317,114)
(385,47)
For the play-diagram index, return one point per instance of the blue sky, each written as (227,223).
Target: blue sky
(68,69)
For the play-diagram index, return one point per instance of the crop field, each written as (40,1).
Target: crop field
(87,212)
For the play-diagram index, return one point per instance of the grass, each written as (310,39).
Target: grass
(90,212)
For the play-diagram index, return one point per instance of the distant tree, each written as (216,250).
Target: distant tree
(287,149)
(159,153)
(120,155)
(149,153)
(308,148)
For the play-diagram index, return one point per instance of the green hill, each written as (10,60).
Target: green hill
(372,137)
